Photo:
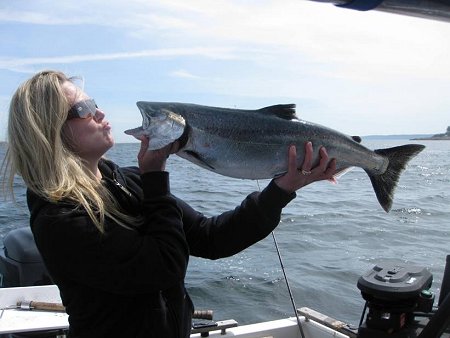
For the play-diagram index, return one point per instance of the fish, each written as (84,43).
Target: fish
(253,144)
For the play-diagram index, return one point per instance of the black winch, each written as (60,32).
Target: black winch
(393,293)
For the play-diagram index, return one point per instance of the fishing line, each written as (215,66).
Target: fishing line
(291,297)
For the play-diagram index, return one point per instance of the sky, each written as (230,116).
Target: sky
(362,73)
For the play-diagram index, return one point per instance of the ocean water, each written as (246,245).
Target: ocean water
(328,236)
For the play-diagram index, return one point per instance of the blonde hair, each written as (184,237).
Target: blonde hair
(40,152)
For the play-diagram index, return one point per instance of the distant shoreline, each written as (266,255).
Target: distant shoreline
(436,137)
(432,138)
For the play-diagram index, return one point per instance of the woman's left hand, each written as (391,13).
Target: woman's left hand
(296,178)
(154,160)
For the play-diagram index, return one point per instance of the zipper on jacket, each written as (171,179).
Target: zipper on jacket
(120,186)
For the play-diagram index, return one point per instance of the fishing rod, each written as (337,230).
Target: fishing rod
(288,286)
(291,297)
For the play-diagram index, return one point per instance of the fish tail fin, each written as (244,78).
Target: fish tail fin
(384,185)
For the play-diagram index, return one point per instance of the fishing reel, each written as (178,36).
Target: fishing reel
(399,303)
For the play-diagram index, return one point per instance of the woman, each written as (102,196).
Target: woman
(114,240)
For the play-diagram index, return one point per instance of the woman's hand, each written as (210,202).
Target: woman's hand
(296,178)
(154,160)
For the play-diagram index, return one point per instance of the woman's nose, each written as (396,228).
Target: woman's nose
(99,115)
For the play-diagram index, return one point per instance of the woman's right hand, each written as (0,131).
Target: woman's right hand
(154,160)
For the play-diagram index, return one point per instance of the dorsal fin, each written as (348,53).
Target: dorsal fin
(284,111)
(357,139)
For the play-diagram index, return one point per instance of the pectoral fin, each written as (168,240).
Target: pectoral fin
(199,159)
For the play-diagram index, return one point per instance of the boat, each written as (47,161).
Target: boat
(397,297)
(22,322)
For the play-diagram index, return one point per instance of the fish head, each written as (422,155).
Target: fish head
(159,123)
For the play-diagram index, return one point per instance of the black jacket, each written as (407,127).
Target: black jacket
(130,283)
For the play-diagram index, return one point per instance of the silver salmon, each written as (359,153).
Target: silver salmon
(253,144)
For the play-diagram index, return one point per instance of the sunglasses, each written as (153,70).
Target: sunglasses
(82,109)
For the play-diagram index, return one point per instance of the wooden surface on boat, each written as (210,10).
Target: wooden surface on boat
(16,320)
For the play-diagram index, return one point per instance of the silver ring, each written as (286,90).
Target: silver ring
(305,172)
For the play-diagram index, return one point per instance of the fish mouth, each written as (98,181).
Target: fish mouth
(134,131)
(163,126)
(145,119)
(138,131)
